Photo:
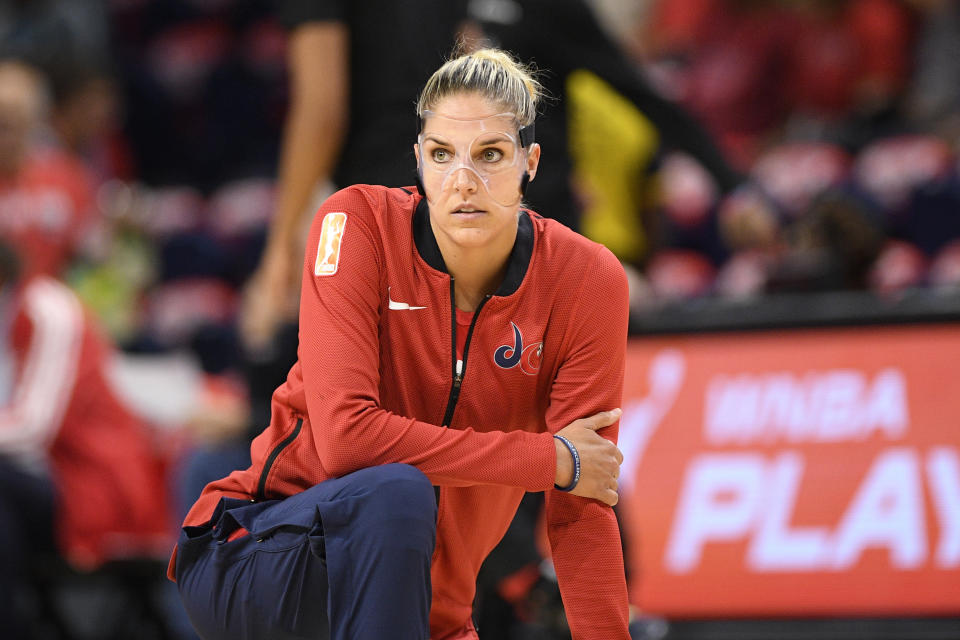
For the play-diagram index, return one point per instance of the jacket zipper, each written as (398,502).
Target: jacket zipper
(459,365)
(283,444)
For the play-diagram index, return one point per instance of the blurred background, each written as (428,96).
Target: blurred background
(780,178)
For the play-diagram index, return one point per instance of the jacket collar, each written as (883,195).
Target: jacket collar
(518,262)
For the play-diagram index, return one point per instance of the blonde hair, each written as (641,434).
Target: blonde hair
(492,73)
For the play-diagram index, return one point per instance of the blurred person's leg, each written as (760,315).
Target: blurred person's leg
(26,528)
(351,555)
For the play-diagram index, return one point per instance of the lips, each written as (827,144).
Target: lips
(467,209)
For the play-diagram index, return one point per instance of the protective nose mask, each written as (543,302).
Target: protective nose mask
(472,154)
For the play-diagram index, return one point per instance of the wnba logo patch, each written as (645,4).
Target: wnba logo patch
(328,250)
(527,358)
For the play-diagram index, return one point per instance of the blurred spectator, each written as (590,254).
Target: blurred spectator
(725,60)
(816,219)
(684,206)
(802,226)
(944,274)
(832,247)
(900,266)
(744,275)
(786,181)
(747,66)
(47,206)
(750,220)
(914,181)
(78,471)
(850,62)
(677,274)
(793,175)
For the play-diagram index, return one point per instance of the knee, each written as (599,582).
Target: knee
(406,483)
(401,500)
(401,488)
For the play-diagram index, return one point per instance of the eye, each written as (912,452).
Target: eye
(492,155)
(440,155)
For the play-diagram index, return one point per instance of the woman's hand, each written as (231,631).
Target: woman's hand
(599,458)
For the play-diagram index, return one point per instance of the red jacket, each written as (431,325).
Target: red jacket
(63,414)
(377,374)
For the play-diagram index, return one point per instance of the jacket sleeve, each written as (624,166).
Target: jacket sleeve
(47,378)
(584,536)
(339,356)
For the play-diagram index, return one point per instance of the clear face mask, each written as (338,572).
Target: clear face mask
(485,153)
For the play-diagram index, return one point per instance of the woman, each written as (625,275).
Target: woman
(450,347)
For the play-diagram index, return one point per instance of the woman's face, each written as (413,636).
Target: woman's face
(472,165)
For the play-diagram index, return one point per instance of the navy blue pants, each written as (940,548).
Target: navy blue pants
(349,557)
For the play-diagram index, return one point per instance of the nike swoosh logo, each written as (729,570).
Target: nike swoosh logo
(399,306)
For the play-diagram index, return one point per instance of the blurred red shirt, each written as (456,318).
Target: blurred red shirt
(63,416)
(746,66)
(47,211)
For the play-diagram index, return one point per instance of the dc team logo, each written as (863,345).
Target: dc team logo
(527,358)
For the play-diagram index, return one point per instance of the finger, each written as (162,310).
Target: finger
(610,466)
(602,419)
(618,455)
(610,497)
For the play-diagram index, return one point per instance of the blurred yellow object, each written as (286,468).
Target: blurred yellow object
(111,287)
(612,145)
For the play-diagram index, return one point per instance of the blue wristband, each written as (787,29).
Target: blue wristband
(576,465)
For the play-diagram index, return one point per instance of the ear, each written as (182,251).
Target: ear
(416,152)
(533,160)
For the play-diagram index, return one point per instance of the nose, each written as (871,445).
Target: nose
(464,179)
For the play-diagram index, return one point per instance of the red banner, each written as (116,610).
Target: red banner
(812,472)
